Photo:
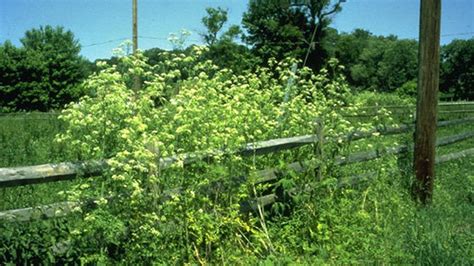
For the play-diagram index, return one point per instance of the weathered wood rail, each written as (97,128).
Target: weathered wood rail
(61,209)
(26,175)
(443,108)
(408,112)
(440,105)
(17,176)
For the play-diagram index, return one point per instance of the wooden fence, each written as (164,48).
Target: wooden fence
(27,175)
(461,106)
(446,108)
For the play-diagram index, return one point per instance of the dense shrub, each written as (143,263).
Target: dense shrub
(44,74)
(171,115)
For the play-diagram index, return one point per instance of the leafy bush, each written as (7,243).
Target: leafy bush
(367,98)
(42,75)
(408,89)
(170,115)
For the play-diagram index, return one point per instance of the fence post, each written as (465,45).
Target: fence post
(318,147)
(427,100)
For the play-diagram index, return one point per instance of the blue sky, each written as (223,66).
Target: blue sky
(101,25)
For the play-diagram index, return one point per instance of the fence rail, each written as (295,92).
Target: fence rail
(17,176)
(61,209)
(440,104)
(26,175)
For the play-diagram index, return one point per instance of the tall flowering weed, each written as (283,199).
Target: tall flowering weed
(144,212)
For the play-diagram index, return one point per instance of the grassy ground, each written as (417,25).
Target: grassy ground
(402,232)
(440,234)
(443,233)
(28,139)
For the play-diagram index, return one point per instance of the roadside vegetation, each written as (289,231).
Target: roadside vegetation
(210,101)
(375,220)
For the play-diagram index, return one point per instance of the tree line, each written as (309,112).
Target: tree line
(47,70)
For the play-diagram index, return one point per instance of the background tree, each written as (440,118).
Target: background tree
(223,50)
(457,69)
(213,21)
(377,63)
(399,64)
(348,49)
(365,72)
(289,27)
(44,74)
(11,64)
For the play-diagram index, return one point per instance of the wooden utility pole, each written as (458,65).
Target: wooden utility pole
(135,27)
(427,101)
(136,78)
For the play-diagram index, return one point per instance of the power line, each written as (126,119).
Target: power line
(151,37)
(458,34)
(270,42)
(164,39)
(101,43)
(450,35)
(125,38)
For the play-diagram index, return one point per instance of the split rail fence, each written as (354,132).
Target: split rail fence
(45,173)
(28,175)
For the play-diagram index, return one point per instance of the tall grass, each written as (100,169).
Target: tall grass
(28,139)
(376,222)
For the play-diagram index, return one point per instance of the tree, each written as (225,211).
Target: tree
(365,72)
(457,69)
(9,56)
(377,62)
(399,64)
(349,47)
(223,51)
(154,55)
(290,28)
(44,74)
(214,21)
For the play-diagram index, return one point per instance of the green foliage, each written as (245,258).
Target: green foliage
(399,64)
(279,29)
(349,48)
(228,54)
(28,139)
(408,89)
(217,111)
(139,212)
(383,109)
(213,21)
(9,65)
(386,64)
(377,63)
(25,139)
(457,69)
(35,243)
(223,51)
(364,72)
(42,75)
(367,98)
